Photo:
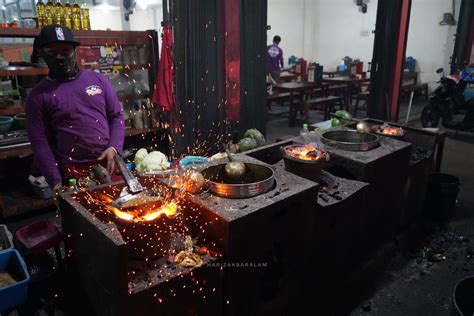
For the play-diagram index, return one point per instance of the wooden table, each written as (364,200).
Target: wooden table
(351,82)
(335,73)
(293,88)
(287,76)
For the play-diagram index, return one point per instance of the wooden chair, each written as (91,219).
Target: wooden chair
(325,104)
(364,96)
(414,87)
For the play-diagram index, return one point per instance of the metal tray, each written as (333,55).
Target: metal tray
(258,179)
(350,140)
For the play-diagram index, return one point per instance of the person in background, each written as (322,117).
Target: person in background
(275,58)
(74,118)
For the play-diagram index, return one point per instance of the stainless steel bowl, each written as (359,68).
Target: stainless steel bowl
(257,180)
(350,140)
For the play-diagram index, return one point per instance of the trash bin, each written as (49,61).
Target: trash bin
(462,297)
(441,196)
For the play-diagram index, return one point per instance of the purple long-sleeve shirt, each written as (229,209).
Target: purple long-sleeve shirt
(274,58)
(73,122)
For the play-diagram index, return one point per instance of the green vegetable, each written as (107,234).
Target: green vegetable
(153,161)
(344,116)
(321,129)
(141,153)
(247,143)
(336,122)
(255,134)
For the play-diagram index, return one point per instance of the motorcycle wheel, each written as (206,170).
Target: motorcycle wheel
(430,117)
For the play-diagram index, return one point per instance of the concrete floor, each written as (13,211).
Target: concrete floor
(412,283)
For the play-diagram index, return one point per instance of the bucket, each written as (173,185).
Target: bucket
(441,196)
(463,297)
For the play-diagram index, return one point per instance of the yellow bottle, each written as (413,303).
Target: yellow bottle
(67,14)
(76,16)
(86,23)
(58,12)
(40,13)
(49,13)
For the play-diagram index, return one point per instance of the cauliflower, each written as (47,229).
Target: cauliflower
(140,155)
(153,161)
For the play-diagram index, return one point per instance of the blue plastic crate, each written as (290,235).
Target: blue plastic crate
(15,294)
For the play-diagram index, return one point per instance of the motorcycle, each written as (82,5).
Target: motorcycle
(446,101)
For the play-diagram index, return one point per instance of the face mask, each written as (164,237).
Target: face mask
(62,68)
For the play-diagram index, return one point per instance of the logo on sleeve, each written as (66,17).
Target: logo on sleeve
(60,34)
(93,90)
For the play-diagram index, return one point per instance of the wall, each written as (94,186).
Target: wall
(323,30)
(286,19)
(103,19)
(430,43)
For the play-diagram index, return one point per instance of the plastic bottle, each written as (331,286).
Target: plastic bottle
(85,20)
(304,133)
(72,184)
(342,66)
(67,14)
(40,12)
(58,12)
(76,16)
(49,13)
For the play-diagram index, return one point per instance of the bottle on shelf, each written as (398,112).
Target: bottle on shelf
(76,16)
(49,13)
(40,13)
(58,13)
(85,20)
(67,14)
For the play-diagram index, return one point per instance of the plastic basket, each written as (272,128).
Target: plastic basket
(38,236)
(14,294)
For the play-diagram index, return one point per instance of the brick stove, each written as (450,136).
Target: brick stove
(253,230)
(425,157)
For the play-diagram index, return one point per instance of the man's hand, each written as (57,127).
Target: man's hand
(108,155)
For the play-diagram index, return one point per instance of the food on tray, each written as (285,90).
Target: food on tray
(187,259)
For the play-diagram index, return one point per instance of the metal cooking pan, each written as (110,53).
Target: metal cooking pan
(257,180)
(350,140)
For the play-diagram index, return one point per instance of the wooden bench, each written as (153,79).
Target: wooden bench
(278,98)
(326,102)
(416,89)
(410,85)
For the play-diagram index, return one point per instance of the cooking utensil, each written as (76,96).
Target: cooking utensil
(363,127)
(234,169)
(134,188)
(101,174)
(257,180)
(350,140)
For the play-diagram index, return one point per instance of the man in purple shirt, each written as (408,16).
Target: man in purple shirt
(274,58)
(74,117)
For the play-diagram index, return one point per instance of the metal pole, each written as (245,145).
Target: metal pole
(409,106)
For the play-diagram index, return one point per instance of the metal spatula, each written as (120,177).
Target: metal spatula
(133,188)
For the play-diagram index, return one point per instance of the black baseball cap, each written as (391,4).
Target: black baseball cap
(56,33)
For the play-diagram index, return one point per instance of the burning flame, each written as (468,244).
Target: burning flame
(145,213)
(389,130)
(306,152)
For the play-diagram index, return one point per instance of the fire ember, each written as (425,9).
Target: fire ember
(388,130)
(304,160)
(305,152)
